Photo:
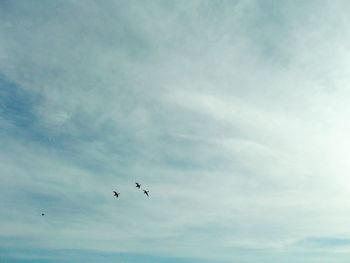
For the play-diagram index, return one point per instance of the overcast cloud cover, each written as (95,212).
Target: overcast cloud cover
(234,114)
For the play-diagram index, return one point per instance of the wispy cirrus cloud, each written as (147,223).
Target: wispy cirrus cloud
(233,115)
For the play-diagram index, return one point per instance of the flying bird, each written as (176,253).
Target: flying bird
(116,194)
(42,214)
(138,185)
(146,192)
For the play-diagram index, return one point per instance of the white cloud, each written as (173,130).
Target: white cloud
(240,135)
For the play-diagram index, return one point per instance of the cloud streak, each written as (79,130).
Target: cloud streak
(233,114)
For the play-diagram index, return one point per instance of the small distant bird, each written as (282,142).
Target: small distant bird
(42,214)
(146,192)
(138,185)
(116,194)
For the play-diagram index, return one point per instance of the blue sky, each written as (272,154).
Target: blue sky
(234,114)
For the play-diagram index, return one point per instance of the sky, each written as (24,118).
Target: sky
(233,114)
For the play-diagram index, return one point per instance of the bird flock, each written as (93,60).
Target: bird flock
(116,194)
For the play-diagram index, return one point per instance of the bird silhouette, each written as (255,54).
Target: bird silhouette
(116,194)
(138,185)
(146,192)
(42,214)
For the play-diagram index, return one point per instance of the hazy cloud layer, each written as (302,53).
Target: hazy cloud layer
(234,114)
